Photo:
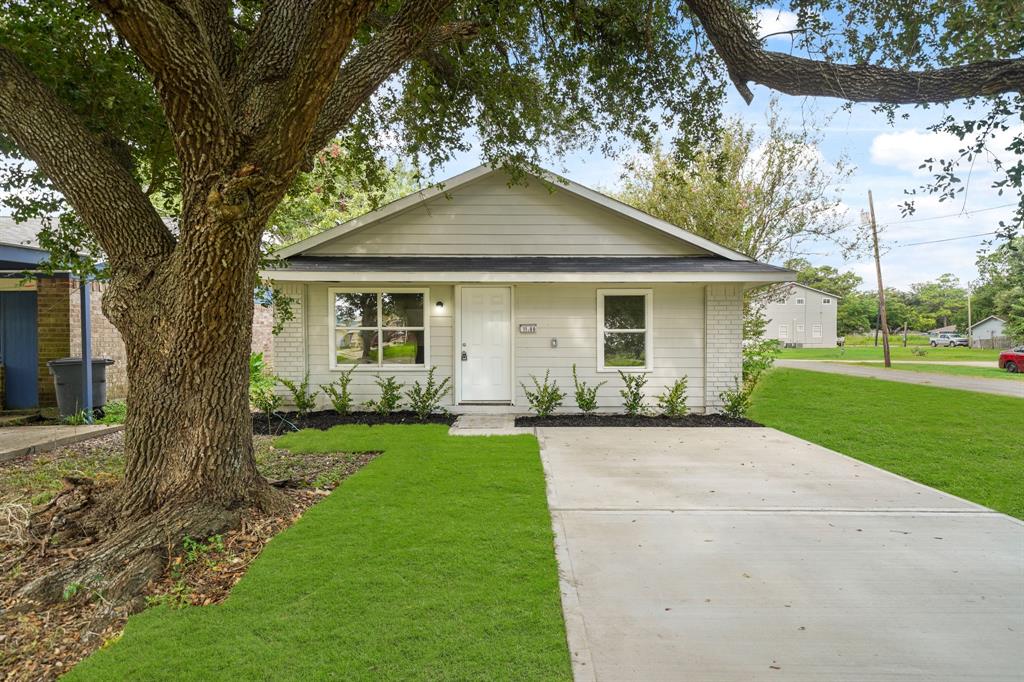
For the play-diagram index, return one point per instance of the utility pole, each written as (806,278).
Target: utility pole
(970,335)
(881,289)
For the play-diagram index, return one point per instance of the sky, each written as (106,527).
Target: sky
(886,159)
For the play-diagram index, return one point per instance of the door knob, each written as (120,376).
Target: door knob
(464,356)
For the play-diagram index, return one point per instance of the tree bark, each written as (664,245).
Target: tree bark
(187,334)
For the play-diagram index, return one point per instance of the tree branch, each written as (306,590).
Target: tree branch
(216,24)
(101,190)
(169,41)
(747,61)
(413,30)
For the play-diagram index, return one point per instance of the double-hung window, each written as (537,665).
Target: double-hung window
(378,328)
(625,333)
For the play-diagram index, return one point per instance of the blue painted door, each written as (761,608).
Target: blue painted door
(18,348)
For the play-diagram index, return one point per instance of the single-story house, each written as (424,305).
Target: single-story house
(802,316)
(990,333)
(493,282)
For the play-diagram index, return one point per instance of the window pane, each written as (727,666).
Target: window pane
(402,310)
(355,346)
(355,310)
(625,349)
(403,347)
(624,312)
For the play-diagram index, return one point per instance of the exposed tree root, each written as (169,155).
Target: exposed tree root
(113,560)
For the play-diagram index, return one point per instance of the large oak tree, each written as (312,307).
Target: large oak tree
(107,106)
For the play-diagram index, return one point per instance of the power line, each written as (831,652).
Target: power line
(937,241)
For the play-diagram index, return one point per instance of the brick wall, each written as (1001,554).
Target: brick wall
(723,334)
(290,345)
(263,333)
(106,340)
(53,321)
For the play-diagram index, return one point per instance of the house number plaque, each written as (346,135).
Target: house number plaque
(528,328)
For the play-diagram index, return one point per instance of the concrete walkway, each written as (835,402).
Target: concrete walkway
(749,554)
(17,441)
(964,383)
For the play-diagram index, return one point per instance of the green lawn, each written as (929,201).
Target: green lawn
(992,372)
(968,444)
(896,352)
(435,562)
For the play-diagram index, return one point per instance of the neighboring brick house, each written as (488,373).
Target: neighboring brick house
(40,320)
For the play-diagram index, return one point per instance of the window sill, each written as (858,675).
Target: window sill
(379,368)
(625,370)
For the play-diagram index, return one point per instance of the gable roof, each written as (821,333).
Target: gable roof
(820,291)
(576,189)
(990,317)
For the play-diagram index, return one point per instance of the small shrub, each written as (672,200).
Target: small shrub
(758,356)
(304,399)
(390,396)
(673,401)
(633,393)
(76,419)
(114,412)
(920,352)
(337,392)
(426,399)
(546,398)
(261,387)
(736,401)
(586,396)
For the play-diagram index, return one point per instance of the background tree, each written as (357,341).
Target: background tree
(1000,290)
(941,303)
(333,191)
(107,107)
(762,195)
(824,277)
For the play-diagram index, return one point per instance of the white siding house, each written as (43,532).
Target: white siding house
(492,283)
(989,333)
(804,317)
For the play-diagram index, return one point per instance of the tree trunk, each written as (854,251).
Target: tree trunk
(189,464)
(188,431)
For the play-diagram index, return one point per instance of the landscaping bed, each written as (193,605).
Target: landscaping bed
(44,643)
(689,420)
(325,419)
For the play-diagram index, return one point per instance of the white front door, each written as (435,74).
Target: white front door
(486,336)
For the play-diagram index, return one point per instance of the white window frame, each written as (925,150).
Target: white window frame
(816,330)
(379,366)
(801,301)
(826,301)
(783,331)
(799,327)
(648,329)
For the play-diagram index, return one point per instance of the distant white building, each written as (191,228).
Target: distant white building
(991,330)
(805,317)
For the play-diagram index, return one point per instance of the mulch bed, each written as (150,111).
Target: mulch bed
(44,643)
(690,420)
(325,419)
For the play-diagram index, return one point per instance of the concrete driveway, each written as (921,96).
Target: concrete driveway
(1010,387)
(749,554)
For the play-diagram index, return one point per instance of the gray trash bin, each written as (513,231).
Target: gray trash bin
(67,380)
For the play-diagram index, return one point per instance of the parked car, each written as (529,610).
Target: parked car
(1012,360)
(950,339)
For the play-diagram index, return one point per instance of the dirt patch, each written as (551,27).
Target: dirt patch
(690,420)
(44,643)
(283,422)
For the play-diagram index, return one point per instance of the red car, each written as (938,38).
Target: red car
(1012,360)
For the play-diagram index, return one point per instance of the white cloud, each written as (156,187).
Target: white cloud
(775,21)
(907,150)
